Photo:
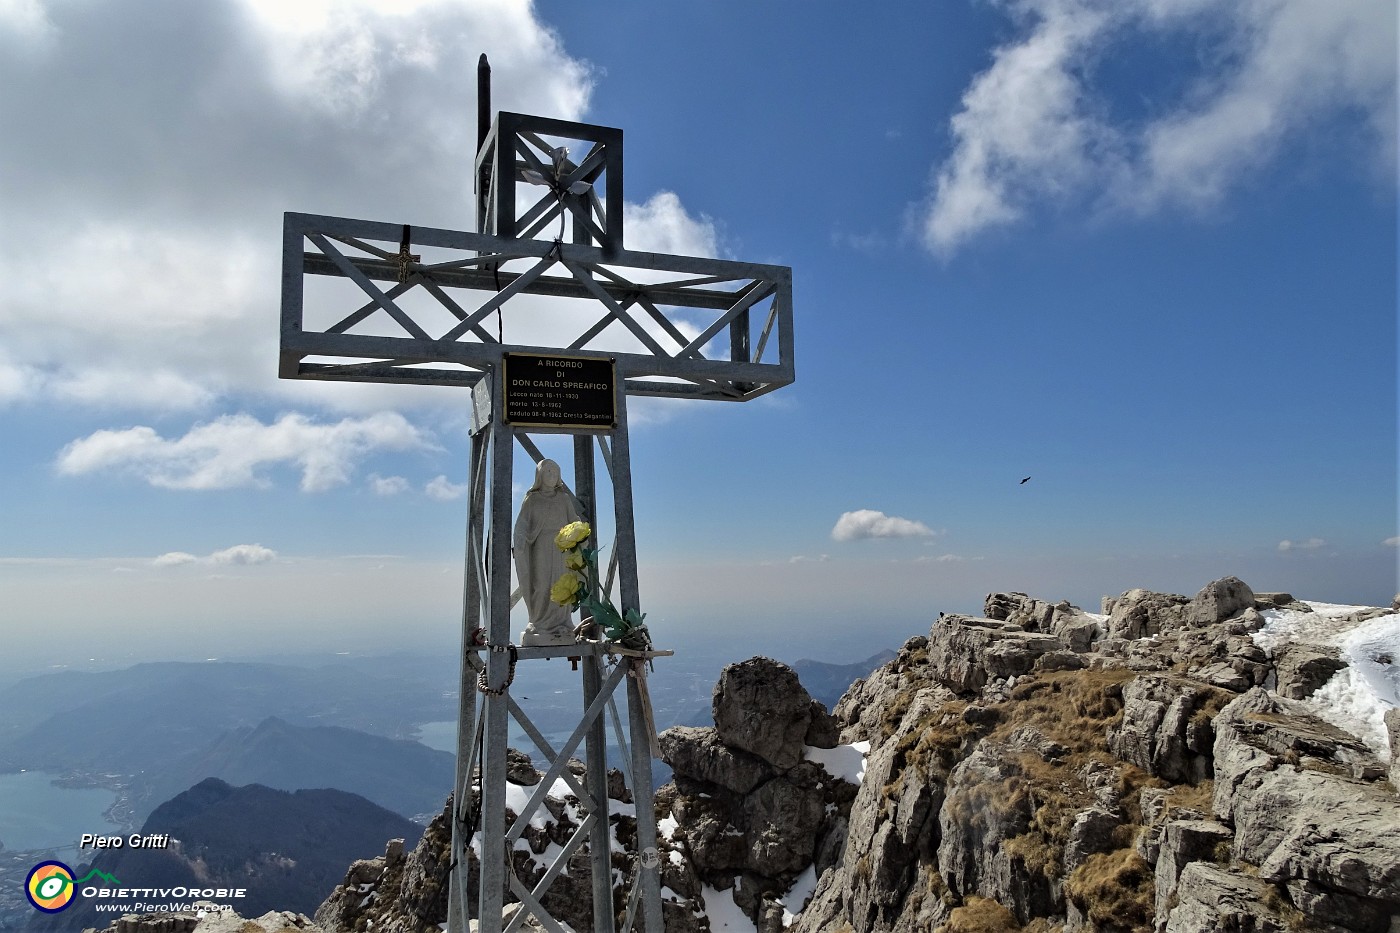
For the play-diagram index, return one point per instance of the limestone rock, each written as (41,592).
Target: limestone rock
(984,809)
(698,753)
(871,709)
(966,652)
(1303,669)
(1274,601)
(1392,725)
(1166,727)
(1218,601)
(1222,655)
(274,921)
(1330,910)
(783,820)
(824,731)
(1035,615)
(1215,900)
(1091,832)
(1306,801)
(1183,842)
(716,847)
(887,831)
(520,769)
(1140,613)
(761,707)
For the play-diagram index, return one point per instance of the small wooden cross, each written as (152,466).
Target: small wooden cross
(405,259)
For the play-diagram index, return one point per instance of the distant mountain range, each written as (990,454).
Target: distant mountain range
(828,682)
(288,850)
(400,775)
(122,721)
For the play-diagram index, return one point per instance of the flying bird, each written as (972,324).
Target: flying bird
(1025,481)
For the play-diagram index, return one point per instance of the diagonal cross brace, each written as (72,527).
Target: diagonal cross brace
(542,788)
(369,288)
(531,898)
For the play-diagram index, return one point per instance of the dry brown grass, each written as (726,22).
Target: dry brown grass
(939,742)
(1114,887)
(1190,797)
(980,915)
(1042,925)
(1075,710)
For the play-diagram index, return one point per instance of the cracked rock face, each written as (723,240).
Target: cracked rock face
(1177,795)
(750,812)
(760,707)
(1040,768)
(1306,800)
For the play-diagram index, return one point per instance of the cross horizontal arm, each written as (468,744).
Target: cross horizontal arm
(613,284)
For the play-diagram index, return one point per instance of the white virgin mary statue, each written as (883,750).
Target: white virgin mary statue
(548,507)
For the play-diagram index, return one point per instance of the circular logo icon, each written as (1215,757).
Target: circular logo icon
(49,886)
(650,857)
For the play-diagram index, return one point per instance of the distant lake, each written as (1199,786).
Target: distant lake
(36,814)
(439,735)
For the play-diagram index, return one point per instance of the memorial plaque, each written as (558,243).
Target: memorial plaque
(559,391)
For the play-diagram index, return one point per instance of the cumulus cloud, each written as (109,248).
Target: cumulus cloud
(804,559)
(174,150)
(326,106)
(174,559)
(245,554)
(1035,128)
(868,523)
(237,450)
(441,489)
(387,485)
(662,225)
(1311,544)
(1392,542)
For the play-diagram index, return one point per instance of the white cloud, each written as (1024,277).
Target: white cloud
(16,382)
(804,559)
(387,485)
(940,559)
(1021,122)
(243,554)
(162,174)
(1034,127)
(1311,544)
(236,450)
(26,21)
(174,559)
(1392,542)
(868,523)
(662,225)
(441,489)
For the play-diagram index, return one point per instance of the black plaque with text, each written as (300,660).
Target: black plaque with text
(560,391)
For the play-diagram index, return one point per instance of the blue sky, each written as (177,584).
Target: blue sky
(1144,252)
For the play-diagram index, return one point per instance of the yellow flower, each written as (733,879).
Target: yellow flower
(574,560)
(565,589)
(571,535)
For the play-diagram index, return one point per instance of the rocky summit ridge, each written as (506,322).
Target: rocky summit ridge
(1156,766)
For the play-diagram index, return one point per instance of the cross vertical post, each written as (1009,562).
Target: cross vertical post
(500,667)
(652,325)
(596,755)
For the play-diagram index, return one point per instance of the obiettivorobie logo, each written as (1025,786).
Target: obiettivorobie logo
(50,885)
